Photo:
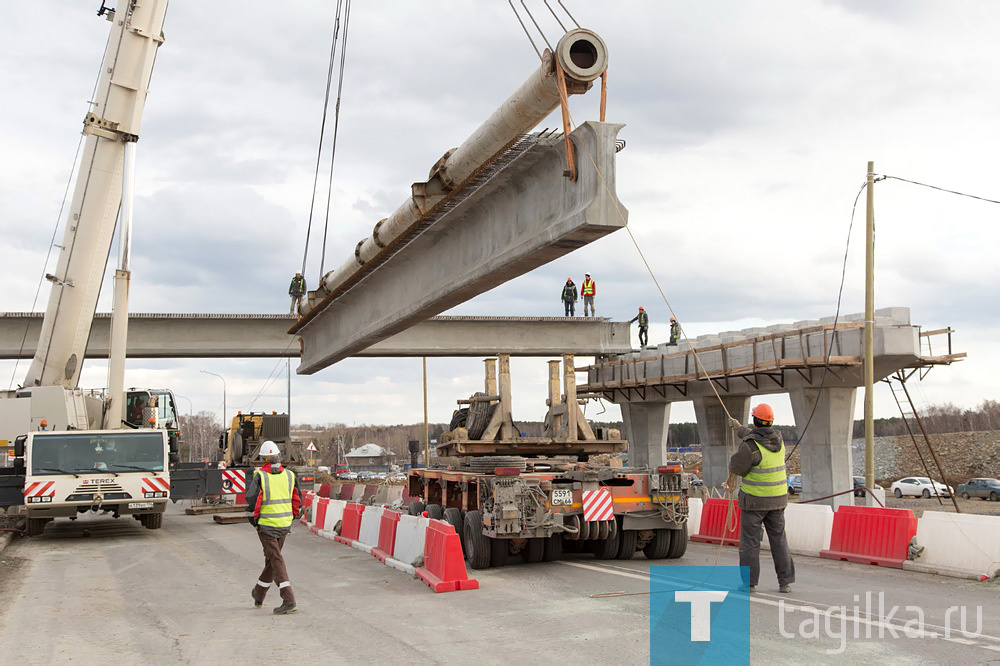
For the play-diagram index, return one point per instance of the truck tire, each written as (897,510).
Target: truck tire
(152,521)
(489,464)
(607,549)
(416,508)
(629,540)
(36,526)
(477,544)
(659,547)
(479,417)
(499,550)
(459,418)
(534,551)
(553,548)
(435,511)
(572,545)
(678,544)
(453,517)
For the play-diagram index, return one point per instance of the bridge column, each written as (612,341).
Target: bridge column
(718,442)
(646,425)
(825,448)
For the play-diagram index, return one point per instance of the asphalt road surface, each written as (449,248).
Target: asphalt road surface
(101,590)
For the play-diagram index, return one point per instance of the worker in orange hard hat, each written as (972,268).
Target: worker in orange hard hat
(675,331)
(569,296)
(297,289)
(643,319)
(44,425)
(763,496)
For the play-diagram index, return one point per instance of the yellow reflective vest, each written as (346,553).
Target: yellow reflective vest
(589,288)
(768,477)
(276,498)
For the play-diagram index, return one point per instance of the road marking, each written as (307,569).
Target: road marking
(802,606)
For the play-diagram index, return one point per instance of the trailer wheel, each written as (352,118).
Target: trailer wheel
(678,544)
(534,551)
(453,517)
(629,538)
(152,521)
(477,544)
(572,545)
(416,508)
(499,550)
(36,526)
(607,549)
(553,548)
(435,511)
(658,548)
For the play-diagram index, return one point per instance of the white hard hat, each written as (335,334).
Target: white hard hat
(269,450)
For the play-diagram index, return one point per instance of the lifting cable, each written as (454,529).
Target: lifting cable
(55,227)
(322,130)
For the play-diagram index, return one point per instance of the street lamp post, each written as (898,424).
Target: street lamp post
(224,412)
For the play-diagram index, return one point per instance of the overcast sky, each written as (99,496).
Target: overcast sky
(749,126)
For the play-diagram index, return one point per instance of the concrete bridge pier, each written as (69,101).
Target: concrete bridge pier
(718,442)
(825,448)
(646,427)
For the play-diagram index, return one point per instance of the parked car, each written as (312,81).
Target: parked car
(919,486)
(794,484)
(982,488)
(859,486)
(323,469)
(694,480)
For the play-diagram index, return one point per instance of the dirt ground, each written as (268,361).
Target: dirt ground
(919,505)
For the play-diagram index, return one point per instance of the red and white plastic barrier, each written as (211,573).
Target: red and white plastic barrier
(371,522)
(963,545)
(807,528)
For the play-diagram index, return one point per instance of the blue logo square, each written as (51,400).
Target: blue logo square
(697,615)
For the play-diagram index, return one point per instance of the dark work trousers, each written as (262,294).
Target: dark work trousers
(750,533)
(588,305)
(570,308)
(274,570)
(643,336)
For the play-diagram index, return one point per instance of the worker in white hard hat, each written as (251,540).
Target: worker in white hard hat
(274,495)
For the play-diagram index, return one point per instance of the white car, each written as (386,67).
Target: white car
(919,486)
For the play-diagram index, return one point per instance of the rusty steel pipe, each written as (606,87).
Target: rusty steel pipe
(582,56)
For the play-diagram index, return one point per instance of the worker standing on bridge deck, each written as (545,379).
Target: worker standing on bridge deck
(643,320)
(274,495)
(760,460)
(569,297)
(588,290)
(297,289)
(675,331)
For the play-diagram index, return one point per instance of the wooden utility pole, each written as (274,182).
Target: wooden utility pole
(870,330)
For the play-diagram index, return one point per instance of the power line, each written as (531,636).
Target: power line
(940,189)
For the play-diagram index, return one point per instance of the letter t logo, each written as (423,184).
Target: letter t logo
(701,611)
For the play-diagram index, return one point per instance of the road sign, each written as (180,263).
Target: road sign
(311,447)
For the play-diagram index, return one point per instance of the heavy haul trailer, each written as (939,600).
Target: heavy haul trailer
(539,496)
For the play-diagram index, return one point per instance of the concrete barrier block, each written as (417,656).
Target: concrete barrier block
(807,527)
(410,535)
(959,542)
(358,492)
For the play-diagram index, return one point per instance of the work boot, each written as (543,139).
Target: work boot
(785,588)
(285,609)
(256,603)
(748,589)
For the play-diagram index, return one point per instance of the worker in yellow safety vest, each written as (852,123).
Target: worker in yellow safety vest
(274,495)
(763,496)
(588,290)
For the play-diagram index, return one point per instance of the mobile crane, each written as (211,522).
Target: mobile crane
(75,450)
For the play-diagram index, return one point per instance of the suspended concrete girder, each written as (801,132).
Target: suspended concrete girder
(266,335)
(518,213)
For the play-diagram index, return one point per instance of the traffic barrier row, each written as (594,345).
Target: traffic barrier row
(429,549)
(963,545)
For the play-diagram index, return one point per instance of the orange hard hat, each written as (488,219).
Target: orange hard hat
(672,319)
(763,412)
(641,308)
(44,422)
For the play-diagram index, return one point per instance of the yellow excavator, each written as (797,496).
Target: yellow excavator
(240,444)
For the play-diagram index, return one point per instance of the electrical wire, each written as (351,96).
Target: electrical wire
(336,127)
(940,189)
(322,130)
(272,376)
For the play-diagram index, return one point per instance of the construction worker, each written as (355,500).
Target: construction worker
(643,320)
(274,495)
(675,331)
(297,289)
(569,297)
(588,290)
(763,496)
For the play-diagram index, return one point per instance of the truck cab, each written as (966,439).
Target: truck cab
(70,472)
